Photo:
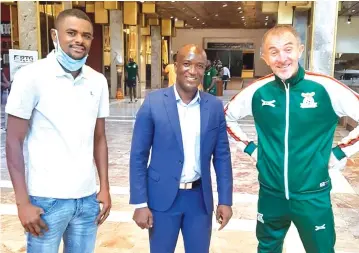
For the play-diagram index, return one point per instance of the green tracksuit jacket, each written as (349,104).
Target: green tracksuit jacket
(295,121)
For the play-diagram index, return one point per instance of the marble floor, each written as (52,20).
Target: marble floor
(120,234)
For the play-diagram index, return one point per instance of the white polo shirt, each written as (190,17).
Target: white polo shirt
(62,113)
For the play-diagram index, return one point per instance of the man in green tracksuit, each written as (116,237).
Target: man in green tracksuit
(295,114)
(209,79)
(131,73)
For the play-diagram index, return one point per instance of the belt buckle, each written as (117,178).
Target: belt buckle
(186,186)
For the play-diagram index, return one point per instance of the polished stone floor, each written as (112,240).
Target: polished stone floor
(120,234)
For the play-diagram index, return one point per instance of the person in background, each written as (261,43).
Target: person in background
(170,70)
(226,75)
(209,80)
(131,74)
(5,84)
(59,105)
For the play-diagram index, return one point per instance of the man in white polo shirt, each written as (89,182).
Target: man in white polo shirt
(57,109)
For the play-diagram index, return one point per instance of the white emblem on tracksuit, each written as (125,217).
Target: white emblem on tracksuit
(269,103)
(260,217)
(322,227)
(308,101)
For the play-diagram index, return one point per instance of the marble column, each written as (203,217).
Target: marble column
(142,72)
(300,22)
(67,5)
(29,37)
(156,57)
(117,60)
(323,36)
(139,62)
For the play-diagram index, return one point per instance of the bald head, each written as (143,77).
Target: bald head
(190,67)
(191,49)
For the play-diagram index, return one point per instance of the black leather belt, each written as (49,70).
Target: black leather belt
(190,185)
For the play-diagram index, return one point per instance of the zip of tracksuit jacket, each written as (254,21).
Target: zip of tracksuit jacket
(295,121)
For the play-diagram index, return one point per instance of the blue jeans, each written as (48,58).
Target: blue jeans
(70,219)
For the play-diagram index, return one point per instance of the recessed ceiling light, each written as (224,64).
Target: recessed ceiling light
(241,12)
(198,19)
(225,5)
(171,16)
(353,10)
(203,23)
(266,23)
(216,15)
(176,19)
(239,8)
(194,17)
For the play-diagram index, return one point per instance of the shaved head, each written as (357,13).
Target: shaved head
(191,48)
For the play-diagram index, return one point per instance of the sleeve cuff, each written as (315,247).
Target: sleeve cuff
(142,205)
(250,148)
(338,153)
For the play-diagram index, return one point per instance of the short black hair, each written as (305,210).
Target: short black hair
(71,13)
(174,57)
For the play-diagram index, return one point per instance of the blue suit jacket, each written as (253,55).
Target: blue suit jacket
(157,126)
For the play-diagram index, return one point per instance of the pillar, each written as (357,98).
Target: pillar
(323,36)
(139,62)
(66,5)
(29,34)
(300,23)
(117,60)
(156,57)
(142,72)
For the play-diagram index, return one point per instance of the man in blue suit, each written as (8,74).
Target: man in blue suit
(184,128)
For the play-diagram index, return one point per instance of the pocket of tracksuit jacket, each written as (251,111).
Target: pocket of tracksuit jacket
(314,176)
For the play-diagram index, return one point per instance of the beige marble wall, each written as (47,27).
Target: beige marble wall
(155,57)
(27,15)
(116,42)
(67,5)
(324,29)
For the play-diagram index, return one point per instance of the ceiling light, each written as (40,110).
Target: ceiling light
(225,5)
(216,15)
(242,16)
(266,23)
(194,17)
(203,23)
(198,19)
(241,12)
(353,10)
(171,16)
(176,19)
(239,8)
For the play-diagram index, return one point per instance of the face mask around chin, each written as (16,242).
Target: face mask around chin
(65,60)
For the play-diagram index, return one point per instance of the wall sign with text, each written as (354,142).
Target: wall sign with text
(223,45)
